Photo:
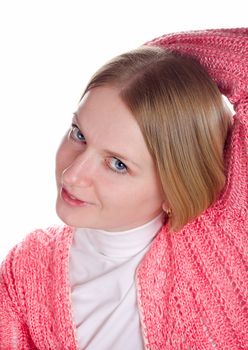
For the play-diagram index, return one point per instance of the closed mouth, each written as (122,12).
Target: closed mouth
(70,199)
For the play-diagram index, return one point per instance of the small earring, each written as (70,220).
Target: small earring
(168,212)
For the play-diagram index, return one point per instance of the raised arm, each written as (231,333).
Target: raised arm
(198,276)
(224,54)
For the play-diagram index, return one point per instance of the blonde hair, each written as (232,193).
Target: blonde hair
(183,119)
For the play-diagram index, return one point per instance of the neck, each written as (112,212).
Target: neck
(122,244)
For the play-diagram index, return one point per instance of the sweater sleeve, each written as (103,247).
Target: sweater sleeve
(198,276)
(14,332)
(224,54)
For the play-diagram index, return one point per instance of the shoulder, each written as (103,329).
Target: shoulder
(31,274)
(46,238)
(37,251)
(44,243)
(33,263)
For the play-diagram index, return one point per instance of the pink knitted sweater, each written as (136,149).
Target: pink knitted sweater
(192,285)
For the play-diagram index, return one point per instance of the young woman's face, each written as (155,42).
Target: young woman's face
(106,177)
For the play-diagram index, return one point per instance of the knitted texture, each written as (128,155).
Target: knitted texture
(192,286)
(35,306)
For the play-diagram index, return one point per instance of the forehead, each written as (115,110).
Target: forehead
(107,123)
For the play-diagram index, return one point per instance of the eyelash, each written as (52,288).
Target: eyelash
(74,127)
(71,132)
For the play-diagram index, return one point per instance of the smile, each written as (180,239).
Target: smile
(71,200)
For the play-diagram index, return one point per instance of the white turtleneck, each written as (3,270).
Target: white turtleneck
(103,291)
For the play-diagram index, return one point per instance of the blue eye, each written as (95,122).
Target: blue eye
(76,134)
(117,166)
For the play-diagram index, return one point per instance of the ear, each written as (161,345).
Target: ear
(167,209)
(165,206)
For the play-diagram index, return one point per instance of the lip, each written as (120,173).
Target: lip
(71,200)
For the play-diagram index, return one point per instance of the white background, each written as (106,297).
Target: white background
(48,51)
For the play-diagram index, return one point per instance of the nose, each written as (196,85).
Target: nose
(81,171)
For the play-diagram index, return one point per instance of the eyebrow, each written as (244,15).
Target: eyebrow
(115,154)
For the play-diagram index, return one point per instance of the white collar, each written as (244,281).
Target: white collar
(121,244)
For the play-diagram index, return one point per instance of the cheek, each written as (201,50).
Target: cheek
(118,190)
(111,188)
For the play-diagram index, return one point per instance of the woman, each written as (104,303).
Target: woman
(152,187)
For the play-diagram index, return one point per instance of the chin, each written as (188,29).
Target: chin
(64,215)
(71,218)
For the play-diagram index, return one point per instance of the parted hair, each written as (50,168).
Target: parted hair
(184,121)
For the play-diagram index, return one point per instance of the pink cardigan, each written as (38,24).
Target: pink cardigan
(192,286)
